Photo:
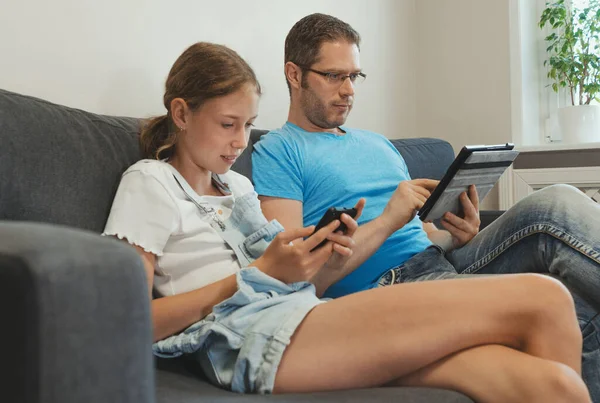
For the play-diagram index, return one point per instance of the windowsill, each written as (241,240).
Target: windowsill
(557,147)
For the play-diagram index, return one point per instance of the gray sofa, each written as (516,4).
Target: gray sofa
(74,309)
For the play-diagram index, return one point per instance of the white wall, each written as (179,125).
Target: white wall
(463,83)
(113,56)
(463,79)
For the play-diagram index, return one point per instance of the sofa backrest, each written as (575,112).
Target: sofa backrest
(62,165)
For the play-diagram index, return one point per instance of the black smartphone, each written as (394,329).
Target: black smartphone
(334,213)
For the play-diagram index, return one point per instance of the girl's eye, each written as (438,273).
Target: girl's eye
(227,125)
(249,124)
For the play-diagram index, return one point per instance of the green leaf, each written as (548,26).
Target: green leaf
(572,46)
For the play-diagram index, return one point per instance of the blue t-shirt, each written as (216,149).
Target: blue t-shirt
(325,170)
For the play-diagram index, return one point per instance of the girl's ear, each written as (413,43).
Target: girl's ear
(179,110)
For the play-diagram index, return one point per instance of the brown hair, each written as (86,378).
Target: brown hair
(203,71)
(303,42)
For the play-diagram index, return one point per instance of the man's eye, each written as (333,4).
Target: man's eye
(333,76)
(353,76)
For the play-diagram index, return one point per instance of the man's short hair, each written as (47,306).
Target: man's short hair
(303,42)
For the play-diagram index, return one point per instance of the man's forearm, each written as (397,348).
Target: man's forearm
(368,237)
(441,238)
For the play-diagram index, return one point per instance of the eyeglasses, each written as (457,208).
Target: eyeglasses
(339,78)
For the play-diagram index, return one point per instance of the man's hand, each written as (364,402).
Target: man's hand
(408,198)
(464,229)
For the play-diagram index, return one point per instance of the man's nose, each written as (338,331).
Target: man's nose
(347,88)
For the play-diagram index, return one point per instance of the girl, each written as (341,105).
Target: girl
(242,298)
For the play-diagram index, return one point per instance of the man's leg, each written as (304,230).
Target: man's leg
(557,231)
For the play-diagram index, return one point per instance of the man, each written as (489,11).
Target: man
(314,162)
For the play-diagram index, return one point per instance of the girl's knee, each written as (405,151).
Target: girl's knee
(560,383)
(550,302)
(546,290)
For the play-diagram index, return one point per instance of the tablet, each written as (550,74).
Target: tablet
(481,166)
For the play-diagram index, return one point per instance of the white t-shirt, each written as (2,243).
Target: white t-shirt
(151,210)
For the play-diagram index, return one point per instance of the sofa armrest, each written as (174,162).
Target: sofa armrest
(488,216)
(75,317)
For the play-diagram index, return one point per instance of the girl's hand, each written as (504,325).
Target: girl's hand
(289,258)
(344,243)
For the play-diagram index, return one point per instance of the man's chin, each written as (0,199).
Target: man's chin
(338,121)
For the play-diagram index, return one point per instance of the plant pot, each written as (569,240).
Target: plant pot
(579,124)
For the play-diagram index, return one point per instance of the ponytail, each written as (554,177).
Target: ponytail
(157,140)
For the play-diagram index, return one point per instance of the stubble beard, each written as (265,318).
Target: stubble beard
(316,111)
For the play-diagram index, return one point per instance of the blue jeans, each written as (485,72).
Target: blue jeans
(554,231)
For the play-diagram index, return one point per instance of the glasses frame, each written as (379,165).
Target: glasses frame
(342,77)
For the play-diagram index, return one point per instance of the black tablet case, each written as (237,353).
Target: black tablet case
(481,166)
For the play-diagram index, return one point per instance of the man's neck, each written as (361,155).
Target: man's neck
(299,119)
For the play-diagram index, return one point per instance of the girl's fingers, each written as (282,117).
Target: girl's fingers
(360,205)
(288,236)
(341,239)
(344,251)
(322,234)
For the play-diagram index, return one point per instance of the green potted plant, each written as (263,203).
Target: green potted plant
(573,64)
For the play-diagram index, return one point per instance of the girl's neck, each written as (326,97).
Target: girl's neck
(198,178)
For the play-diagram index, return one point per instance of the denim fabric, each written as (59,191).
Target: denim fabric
(240,344)
(554,231)
(247,231)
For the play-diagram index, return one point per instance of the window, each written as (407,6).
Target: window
(534,104)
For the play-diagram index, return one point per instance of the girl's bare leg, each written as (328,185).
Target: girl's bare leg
(374,337)
(498,374)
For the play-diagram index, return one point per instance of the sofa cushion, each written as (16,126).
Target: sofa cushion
(181,383)
(61,165)
(243,164)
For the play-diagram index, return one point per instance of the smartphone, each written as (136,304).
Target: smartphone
(334,213)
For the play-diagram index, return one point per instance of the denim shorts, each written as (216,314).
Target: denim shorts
(240,344)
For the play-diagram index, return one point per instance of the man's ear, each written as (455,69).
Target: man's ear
(178,112)
(293,74)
